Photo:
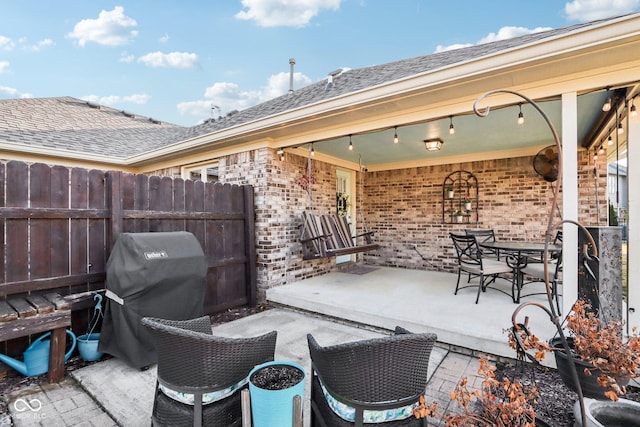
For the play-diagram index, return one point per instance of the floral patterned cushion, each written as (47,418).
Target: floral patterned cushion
(348,413)
(214,396)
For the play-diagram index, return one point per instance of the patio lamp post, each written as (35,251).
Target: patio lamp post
(550,310)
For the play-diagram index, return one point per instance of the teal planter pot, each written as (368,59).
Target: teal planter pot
(274,408)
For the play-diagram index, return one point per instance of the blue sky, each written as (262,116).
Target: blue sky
(174,60)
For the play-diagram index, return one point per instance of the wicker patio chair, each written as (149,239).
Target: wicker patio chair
(373,375)
(471,261)
(191,360)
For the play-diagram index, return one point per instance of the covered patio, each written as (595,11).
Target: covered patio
(421,301)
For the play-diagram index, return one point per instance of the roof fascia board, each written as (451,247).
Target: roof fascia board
(26,150)
(157,163)
(583,38)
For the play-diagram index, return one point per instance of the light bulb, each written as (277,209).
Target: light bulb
(520,116)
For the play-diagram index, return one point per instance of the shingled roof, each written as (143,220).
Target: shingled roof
(76,125)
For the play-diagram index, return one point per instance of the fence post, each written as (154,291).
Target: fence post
(114,204)
(250,243)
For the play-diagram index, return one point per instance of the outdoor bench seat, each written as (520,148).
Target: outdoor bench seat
(21,316)
(330,235)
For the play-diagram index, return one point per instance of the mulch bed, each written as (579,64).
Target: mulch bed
(556,401)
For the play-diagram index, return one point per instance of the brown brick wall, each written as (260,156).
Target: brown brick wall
(403,207)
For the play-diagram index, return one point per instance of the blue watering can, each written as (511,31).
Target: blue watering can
(36,357)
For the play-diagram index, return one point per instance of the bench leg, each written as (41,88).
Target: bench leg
(56,354)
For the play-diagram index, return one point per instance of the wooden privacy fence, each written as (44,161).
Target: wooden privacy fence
(58,226)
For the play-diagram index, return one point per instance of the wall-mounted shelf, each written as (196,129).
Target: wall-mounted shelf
(460,195)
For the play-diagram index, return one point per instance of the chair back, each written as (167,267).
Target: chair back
(313,234)
(484,235)
(467,250)
(190,357)
(557,240)
(338,231)
(384,369)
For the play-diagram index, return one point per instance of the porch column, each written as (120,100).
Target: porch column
(633,230)
(569,199)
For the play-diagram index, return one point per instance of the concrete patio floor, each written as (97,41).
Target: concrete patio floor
(421,301)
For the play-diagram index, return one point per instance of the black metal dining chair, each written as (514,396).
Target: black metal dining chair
(482,236)
(554,273)
(471,261)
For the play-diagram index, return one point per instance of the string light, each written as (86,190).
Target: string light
(395,135)
(601,149)
(520,115)
(313,150)
(607,105)
(281,154)
(595,154)
(452,130)
(620,128)
(634,113)
(610,140)
(350,144)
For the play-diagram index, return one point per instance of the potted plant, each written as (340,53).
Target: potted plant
(459,216)
(604,358)
(450,191)
(497,403)
(467,204)
(272,386)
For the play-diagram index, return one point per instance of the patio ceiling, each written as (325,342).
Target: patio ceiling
(475,138)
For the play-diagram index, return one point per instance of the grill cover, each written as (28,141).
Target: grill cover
(159,274)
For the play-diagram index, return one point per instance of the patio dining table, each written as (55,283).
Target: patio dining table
(518,255)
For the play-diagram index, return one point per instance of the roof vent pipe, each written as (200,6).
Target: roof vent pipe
(292,62)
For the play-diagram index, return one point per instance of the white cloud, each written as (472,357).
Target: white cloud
(6,43)
(112,28)
(170,60)
(164,38)
(229,97)
(126,57)
(441,48)
(14,93)
(275,13)
(39,45)
(4,67)
(509,32)
(590,10)
(503,33)
(138,98)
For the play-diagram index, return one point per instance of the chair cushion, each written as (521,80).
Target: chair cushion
(491,266)
(348,413)
(537,270)
(207,398)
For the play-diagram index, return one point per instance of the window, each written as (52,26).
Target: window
(206,172)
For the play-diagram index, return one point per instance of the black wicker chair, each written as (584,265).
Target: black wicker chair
(192,360)
(375,374)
